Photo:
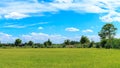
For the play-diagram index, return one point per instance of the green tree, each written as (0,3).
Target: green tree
(73,42)
(103,42)
(30,43)
(84,40)
(108,31)
(107,34)
(91,44)
(18,42)
(0,44)
(67,42)
(48,43)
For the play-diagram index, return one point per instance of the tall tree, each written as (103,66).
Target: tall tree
(84,40)
(48,43)
(18,42)
(108,31)
(67,42)
(30,43)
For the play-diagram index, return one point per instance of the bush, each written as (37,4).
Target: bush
(84,40)
(103,42)
(116,43)
(48,43)
(97,45)
(108,45)
(85,45)
(91,44)
(1,45)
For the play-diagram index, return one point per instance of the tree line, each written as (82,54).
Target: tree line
(107,34)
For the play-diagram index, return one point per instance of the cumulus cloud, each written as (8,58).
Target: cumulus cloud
(87,31)
(15,15)
(108,9)
(41,37)
(111,16)
(6,38)
(72,29)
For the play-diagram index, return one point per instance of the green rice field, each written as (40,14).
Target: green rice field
(59,58)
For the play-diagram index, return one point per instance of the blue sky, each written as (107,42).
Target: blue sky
(38,20)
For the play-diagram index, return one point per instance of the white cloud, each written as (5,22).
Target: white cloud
(111,16)
(9,25)
(63,1)
(15,15)
(14,26)
(6,38)
(19,9)
(41,37)
(40,28)
(0,17)
(108,9)
(117,36)
(95,38)
(87,31)
(72,29)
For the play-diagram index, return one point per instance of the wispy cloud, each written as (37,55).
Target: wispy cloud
(14,26)
(108,9)
(72,29)
(9,25)
(87,31)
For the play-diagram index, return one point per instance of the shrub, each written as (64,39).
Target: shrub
(116,43)
(97,45)
(108,44)
(103,42)
(91,44)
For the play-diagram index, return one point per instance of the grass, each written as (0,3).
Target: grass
(60,58)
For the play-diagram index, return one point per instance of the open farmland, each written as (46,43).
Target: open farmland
(60,58)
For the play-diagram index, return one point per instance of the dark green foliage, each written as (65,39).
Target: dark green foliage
(38,45)
(108,31)
(85,45)
(107,34)
(84,40)
(116,43)
(18,42)
(0,44)
(103,42)
(67,42)
(97,45)
(30,43)
(73,42)
(108,45)
(63,45)
(91,44)
(48,43)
